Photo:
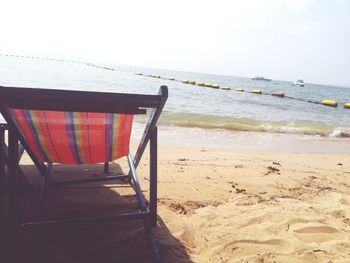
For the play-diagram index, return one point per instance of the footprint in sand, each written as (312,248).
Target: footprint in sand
(253,242)
(296,220)
(320,234)
(338,213)
(345,201)
(317,229)
(252,245)
(254,221)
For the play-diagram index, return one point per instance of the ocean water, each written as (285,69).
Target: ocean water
(194,106)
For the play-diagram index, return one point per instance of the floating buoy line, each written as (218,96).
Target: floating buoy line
(61,60)
(326,102)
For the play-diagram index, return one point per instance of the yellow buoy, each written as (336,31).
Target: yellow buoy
(207,84)
(225,87)
(256,91)
(239,89)
(192,82)
(215,86)
(200,83)
(185,81)
(278,94)
(331,103)
(347,105)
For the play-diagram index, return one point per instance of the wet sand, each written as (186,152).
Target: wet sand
(252,141)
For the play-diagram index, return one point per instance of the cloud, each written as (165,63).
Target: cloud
(340,2)
(297,5)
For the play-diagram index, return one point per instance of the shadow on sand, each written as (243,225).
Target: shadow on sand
(113,242)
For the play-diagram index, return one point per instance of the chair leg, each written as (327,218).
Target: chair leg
(151,241)
(135,184)
(20,151)
(153,178)
(2,173)
(44,191)
(149,222)
(13,172)
(106,168)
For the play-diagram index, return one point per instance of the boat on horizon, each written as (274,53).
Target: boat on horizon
(299,83)
(260,78)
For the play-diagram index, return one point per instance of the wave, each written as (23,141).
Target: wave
(246,124)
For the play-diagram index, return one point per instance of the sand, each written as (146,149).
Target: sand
(215,205)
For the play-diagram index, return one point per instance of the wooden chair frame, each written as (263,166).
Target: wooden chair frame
(81,101)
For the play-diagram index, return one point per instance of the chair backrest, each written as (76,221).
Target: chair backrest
(74,137)
(65,126)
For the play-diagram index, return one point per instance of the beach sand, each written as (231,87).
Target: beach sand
(214,205)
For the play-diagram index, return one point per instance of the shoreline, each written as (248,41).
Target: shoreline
(247,141)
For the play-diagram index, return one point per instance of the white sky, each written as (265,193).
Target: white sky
(280,39)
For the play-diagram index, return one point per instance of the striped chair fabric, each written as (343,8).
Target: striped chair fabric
(75,137)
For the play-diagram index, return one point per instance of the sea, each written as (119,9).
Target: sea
(203,116)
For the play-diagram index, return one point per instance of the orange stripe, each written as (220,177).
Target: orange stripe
(35,116)
(82,134)
(39,121)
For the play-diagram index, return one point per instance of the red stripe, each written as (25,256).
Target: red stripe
(58,130)
(123,136)
(127,133)
(27,133)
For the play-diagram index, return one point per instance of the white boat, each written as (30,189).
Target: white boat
(299,83)
(260,78)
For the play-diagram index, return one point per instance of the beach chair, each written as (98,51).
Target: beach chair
(81,127)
